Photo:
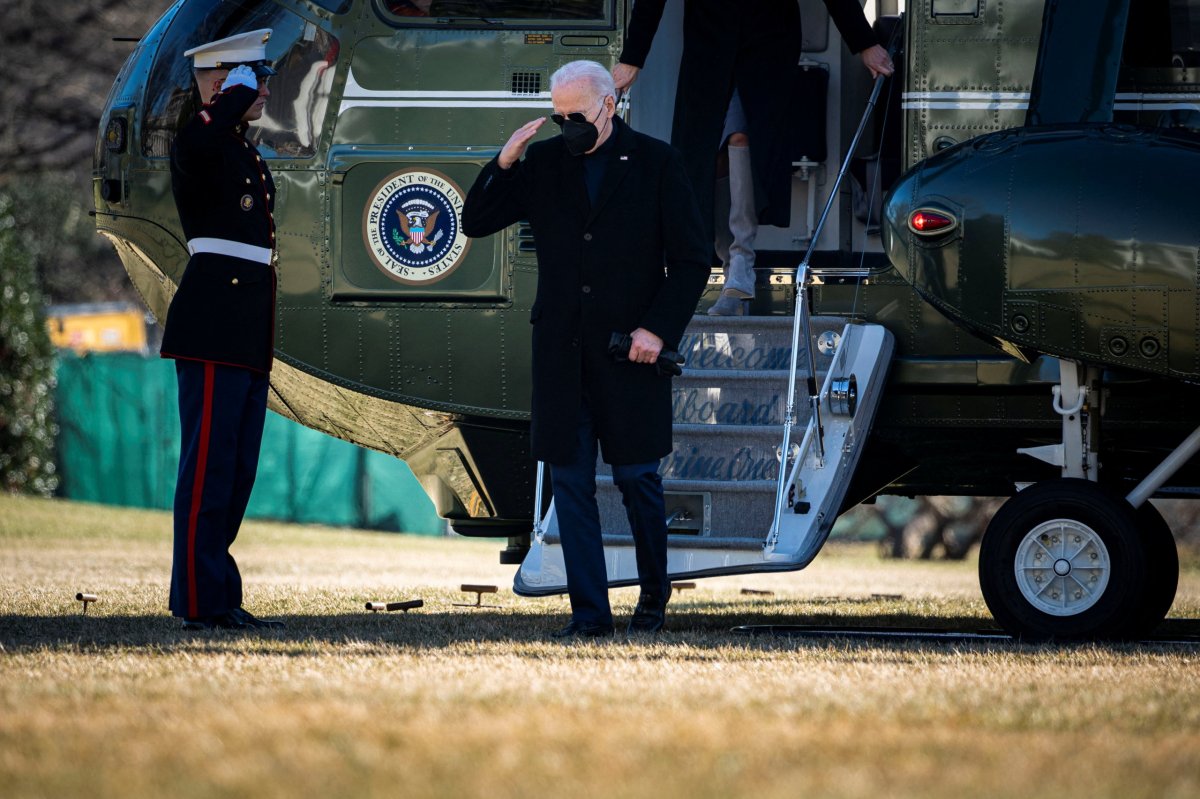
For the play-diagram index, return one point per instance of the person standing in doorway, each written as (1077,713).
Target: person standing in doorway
(737,218)
(752,48)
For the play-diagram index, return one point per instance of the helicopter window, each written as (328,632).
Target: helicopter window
(487,13)
(304,57)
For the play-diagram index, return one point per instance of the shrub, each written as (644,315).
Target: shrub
(27,428)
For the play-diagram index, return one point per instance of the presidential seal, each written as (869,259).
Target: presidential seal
(412,228)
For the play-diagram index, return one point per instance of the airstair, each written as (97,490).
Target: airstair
(734,504)
(760,467)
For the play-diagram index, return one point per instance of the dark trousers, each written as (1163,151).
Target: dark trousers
(754,49)
(579,525)
(221,414)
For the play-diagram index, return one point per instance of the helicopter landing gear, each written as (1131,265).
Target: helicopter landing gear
(1077,400)
(1068,559)
(1064,559)
(1162,572)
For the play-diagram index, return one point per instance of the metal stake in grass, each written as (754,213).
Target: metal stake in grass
(405,606)
(86,599)
(479,591)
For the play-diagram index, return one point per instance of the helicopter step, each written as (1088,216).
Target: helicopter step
(719,480)
(700,513)
(725,452)
(755,343)
(722,480)
(718,397)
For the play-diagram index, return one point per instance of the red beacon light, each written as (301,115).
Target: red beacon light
(930,222)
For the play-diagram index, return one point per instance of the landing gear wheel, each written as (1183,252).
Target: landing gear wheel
(1063,559)
(1162,565)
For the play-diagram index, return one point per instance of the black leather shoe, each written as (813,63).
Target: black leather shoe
(198,624)
(583,629)
(650,614)
(244,618)
(222,621)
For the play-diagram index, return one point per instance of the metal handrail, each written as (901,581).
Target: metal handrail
(801,322)
(538,532)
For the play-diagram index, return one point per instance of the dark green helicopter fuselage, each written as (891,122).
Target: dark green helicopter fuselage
(428,358)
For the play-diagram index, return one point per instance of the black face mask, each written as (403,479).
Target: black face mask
(579,137)
(578,134)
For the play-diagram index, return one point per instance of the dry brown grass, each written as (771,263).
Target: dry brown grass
(450,701)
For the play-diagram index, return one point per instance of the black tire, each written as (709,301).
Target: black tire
(1072,525)
(1162,572)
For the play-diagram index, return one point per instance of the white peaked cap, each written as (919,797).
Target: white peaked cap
(242,48)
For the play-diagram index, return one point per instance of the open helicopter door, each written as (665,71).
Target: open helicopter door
(732,388)
(813,482)
(812,478)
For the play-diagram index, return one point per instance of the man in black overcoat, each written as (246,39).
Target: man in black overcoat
(220,326)
(619,249)
(752,47)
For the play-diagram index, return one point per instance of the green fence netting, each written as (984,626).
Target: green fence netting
(118,444)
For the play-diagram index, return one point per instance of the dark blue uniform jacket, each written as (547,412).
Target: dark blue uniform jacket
(224,310)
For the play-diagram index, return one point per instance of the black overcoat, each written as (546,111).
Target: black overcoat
(635,259)
(753,47)
(224,309)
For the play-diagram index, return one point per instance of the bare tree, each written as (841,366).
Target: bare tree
(940,527)
(60,60)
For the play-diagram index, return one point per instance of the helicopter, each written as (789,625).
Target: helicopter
(1063,237)
(398,333)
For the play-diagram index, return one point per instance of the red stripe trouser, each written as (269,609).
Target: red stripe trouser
(222,410)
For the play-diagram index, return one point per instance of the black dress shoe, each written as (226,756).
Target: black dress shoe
(244,618)
(650,614)
(583,629)
(221,621)
(198,623)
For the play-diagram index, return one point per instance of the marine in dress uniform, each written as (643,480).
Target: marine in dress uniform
(619,249)
(220,326)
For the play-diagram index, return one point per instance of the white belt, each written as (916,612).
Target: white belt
(226,247)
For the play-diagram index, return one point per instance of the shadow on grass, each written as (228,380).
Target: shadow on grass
(708,625)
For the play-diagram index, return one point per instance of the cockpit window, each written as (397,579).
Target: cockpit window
(487,13)
(304,55)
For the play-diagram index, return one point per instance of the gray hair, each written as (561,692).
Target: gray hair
(598,79)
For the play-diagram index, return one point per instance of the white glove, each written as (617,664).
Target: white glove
(240,76)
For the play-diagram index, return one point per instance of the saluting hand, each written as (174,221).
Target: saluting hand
(514,148)
(240,76)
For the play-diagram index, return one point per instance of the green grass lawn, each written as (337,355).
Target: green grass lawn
(449,701)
